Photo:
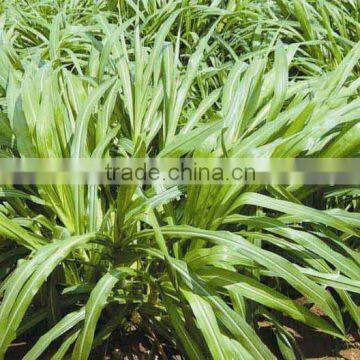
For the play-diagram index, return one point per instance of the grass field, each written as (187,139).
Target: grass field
(193,271)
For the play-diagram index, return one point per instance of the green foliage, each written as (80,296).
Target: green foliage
(194,267)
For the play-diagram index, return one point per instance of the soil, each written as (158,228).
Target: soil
(314,344)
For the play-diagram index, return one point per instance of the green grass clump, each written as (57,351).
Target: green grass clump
(193,269)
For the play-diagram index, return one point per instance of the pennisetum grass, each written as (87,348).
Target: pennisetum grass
(193,269)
